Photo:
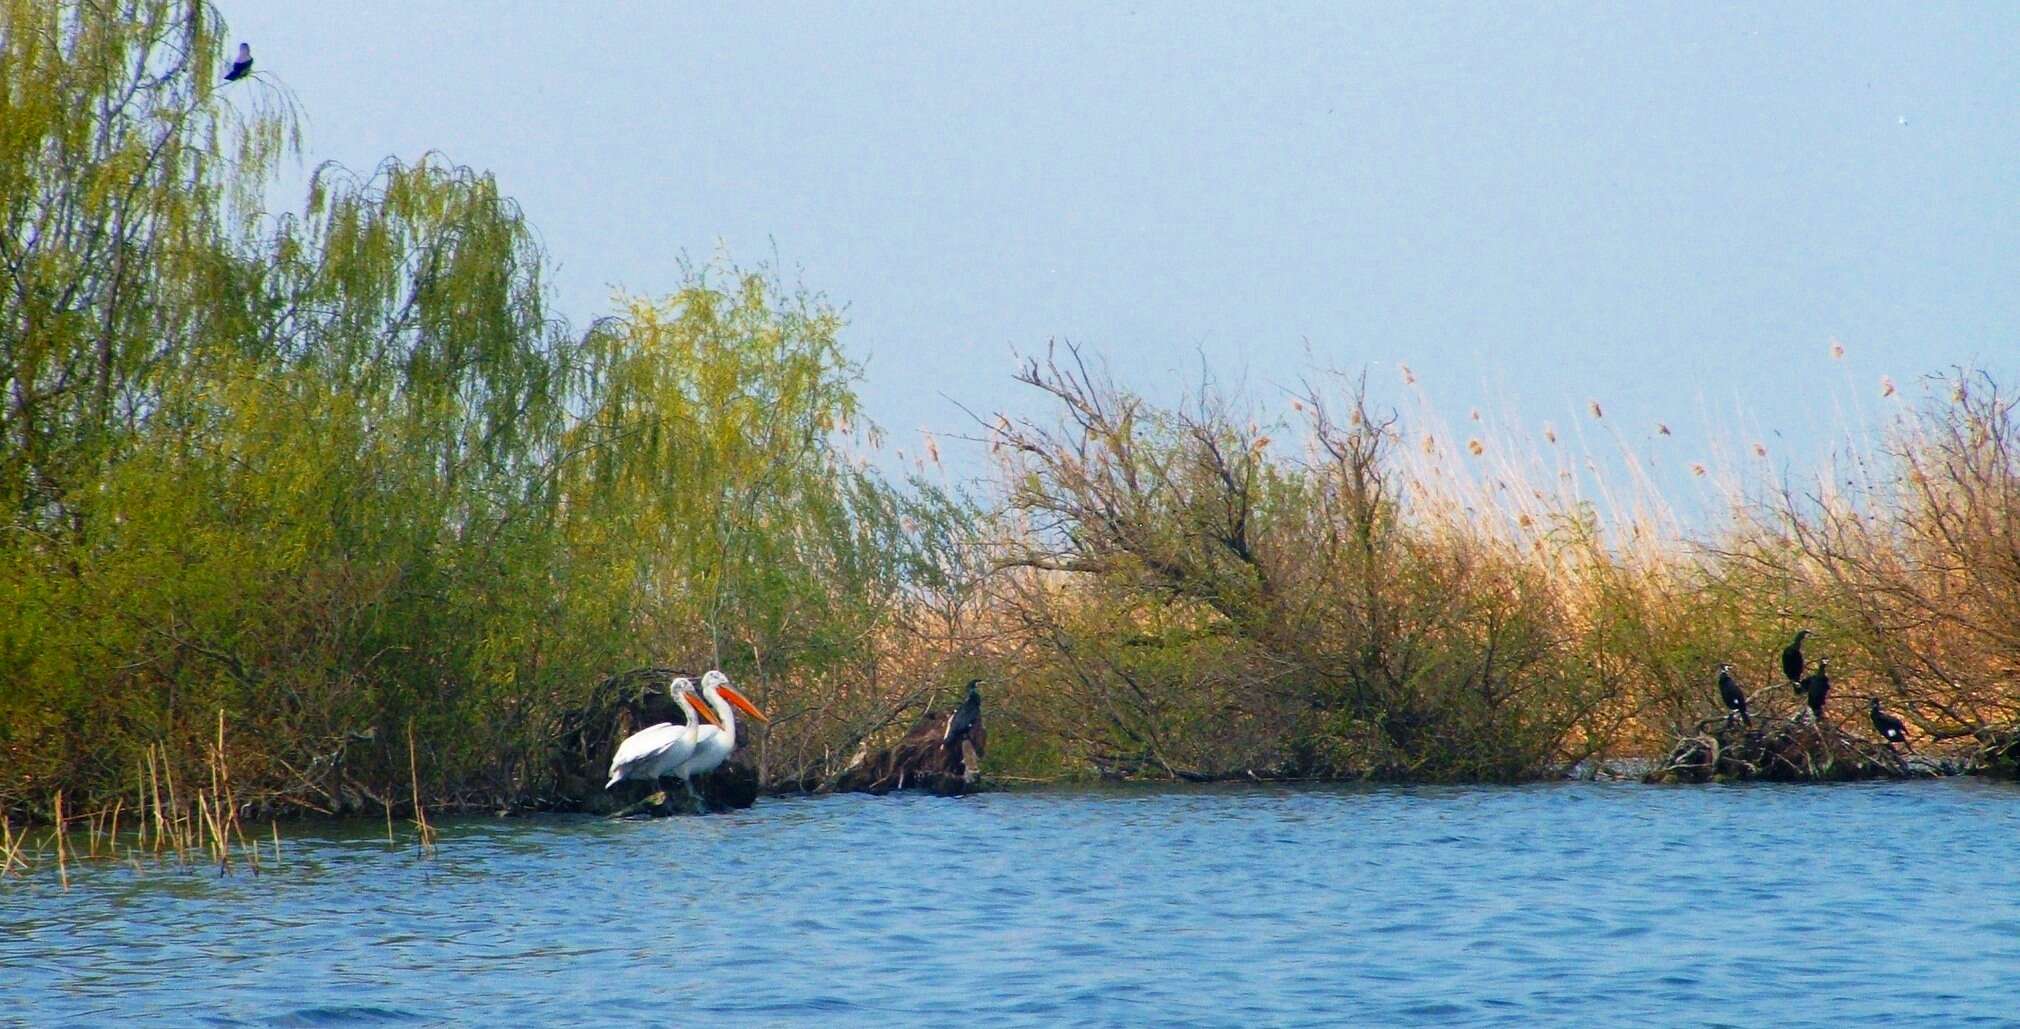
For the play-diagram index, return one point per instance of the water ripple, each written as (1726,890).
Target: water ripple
(1580,903)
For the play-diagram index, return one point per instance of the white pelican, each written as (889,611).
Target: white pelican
(715,744)
(657,749)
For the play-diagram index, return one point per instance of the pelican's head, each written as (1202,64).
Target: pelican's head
(1801,635)
(1823,664)
(681,689)
(719,682)
(245,51)
(1724,668)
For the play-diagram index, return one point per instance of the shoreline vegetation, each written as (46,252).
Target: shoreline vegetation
(332,500)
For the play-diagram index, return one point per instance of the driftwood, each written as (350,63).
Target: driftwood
(1998,753)
(732,787)
(924,759)
(1783,750)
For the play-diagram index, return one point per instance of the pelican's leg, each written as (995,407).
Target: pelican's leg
(700,805)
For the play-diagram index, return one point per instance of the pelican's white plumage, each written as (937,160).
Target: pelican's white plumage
(657,750)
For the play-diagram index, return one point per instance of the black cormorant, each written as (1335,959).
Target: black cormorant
(967,717)
(241,67)
(1815,687)
(1891,729)
(1732,695)
(1792,658)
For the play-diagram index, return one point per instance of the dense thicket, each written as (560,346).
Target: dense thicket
(1334,594)
(340,477)
(1230,611)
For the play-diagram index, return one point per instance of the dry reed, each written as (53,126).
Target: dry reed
(424,830)
(163,822)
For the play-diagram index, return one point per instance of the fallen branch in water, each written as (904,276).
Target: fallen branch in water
(1998,753)
(1782,750)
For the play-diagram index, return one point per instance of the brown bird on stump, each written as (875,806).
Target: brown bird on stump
(961,739)
(966,717)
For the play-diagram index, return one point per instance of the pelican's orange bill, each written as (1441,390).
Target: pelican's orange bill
(743,705)
(703,708)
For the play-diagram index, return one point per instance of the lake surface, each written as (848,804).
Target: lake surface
(1569,903)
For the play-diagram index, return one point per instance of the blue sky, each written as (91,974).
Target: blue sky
(1670,208)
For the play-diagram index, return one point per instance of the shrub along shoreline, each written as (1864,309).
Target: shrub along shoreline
(340,478)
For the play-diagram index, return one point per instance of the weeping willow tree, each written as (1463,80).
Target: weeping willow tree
(717,516)
(126,195)
(340,476)
(126,180)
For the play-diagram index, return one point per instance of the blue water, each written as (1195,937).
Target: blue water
(1564,904)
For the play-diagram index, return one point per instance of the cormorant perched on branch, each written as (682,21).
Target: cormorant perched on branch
(967,717)
(1732,695)
(1792,658)
(1891,729)
(241,67)
(1815,687)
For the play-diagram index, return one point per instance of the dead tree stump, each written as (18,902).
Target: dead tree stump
(732,787)
(923,759)
(1998,753)
(1780,750)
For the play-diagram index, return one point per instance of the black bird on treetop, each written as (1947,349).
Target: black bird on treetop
(967,717)
(1732,695)
(1891,729)
(241,67)
(1792,658)
(1815,687)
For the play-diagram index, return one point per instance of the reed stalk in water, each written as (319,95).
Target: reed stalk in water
(163,822)
(426,831)
(61,830)
(10,847)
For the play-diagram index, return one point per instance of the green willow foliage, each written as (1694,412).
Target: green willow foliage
(124,184)
(341,475)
